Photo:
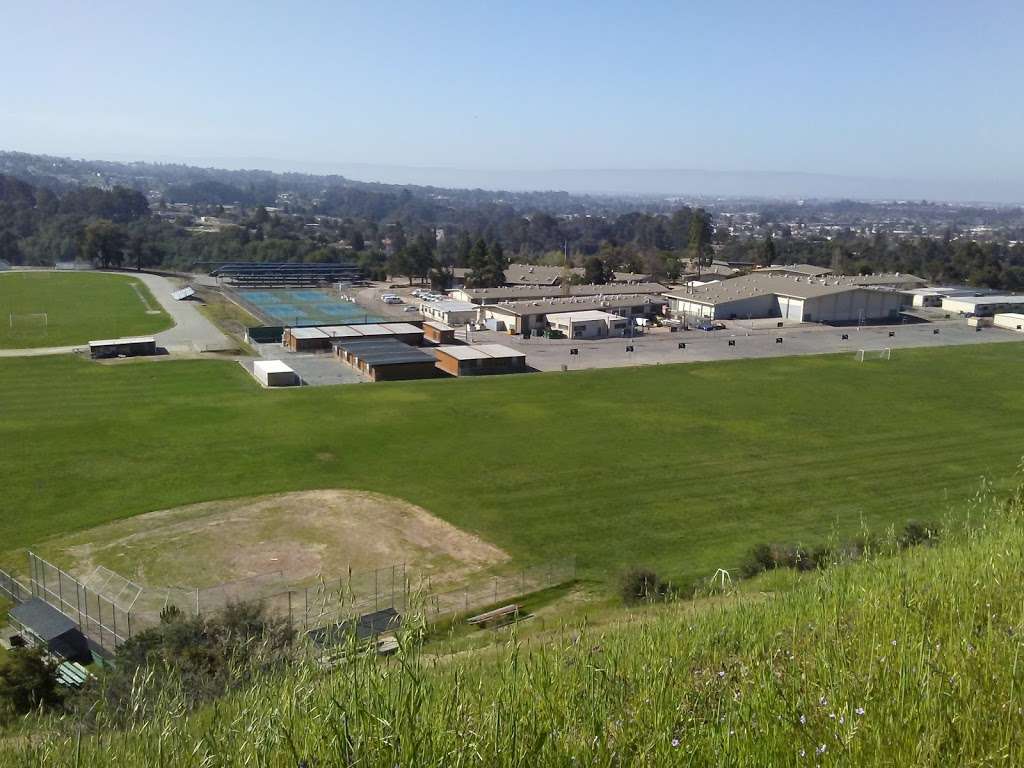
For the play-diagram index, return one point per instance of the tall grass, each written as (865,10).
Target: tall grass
(911,659)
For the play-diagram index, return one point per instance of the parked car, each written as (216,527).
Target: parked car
(410,309)
(707,325)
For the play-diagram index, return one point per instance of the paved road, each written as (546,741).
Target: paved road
(192,331)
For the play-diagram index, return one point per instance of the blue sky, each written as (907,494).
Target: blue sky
(908,89)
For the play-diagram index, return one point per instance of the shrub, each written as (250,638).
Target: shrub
(642,584)
(28,682)
(916,533)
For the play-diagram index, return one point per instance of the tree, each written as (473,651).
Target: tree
(27,681)
(357,241)
(103,243)
(700,236)
(768,251)
(595,272)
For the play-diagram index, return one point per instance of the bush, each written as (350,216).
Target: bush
(28,682)
(643,584)
(916,533)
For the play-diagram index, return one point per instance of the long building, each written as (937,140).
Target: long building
(521,316)
(824,300)
(319,338)
(984,306)
(483,296)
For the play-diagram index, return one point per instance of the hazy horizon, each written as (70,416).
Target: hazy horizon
(873,100)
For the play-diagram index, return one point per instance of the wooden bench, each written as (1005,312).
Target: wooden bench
(503,615)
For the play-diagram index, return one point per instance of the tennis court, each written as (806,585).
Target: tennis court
(306,307)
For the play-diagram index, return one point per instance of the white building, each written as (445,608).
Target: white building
(932,297)
(588,324)
(985,306)
(452,313)
(801,299)
(274,373)
(1012,321)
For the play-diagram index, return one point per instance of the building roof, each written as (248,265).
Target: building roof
(42,619)
(272,366)
(450,306)
(307,333)
(544,306)
(752,285)
(993,299)
(796,269)
(438,325)
(588,289)
(478,351)
(887,278)
(383,351)
(586,315)
(1010,315)
(534,274)
(631,277)
(125,340)
(947,291)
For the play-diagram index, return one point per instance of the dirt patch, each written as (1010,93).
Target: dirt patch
(296,538)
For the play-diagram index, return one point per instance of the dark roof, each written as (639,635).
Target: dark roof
(366,626)
(42,619)
(383,351)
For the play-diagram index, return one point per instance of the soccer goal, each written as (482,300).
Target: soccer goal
(874,354)
(33,321)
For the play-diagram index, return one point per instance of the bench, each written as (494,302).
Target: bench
(507,613)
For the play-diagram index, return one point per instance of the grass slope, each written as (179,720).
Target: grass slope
(907,660)
(80,307)
(682,468)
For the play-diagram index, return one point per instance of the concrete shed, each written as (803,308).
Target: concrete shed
(986,306)
(274,373)
(437,332)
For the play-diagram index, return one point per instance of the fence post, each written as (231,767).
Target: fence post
(85,594)
(197,602)
(305,610)
(113,610)
(291,620)
(375,588)
(60,590)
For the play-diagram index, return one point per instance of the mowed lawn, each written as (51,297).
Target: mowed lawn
(80,307)
(682,468)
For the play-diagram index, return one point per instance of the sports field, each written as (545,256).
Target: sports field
(682,468)
(79,307)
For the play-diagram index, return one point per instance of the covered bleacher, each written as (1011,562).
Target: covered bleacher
(251,274)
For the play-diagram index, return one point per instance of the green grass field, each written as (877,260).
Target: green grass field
(80,306)
(682,468)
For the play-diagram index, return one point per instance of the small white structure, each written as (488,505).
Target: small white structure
(588,324)
(274,373)
(1012,321)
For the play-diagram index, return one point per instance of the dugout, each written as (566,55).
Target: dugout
(133,346)
(45,625)
(364,628)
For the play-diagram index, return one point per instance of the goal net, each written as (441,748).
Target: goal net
(33,321)
(874,354)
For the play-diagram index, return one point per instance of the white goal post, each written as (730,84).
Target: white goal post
(874,354)
(29,320)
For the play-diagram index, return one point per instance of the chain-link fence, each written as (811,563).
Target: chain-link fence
(109,608)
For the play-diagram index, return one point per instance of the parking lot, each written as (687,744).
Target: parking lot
(739,340)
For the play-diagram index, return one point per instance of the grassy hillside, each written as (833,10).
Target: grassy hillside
(911,659)
(682,468)
(79,307)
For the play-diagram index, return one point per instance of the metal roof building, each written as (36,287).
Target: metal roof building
(479,359)
(385,359)
(826,299)
(520,316)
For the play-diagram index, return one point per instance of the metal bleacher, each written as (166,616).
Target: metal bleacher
(284,274)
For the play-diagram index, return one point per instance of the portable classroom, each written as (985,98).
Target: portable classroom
(274,373)
(479,359)
(1012,321)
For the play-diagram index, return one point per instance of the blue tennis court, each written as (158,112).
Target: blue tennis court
(307,307)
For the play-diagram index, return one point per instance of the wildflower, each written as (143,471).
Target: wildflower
(675,743)
(821,750)
(823,702)
(803,720)
(859,711)
(893,643)
(721,674)
(803,753)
